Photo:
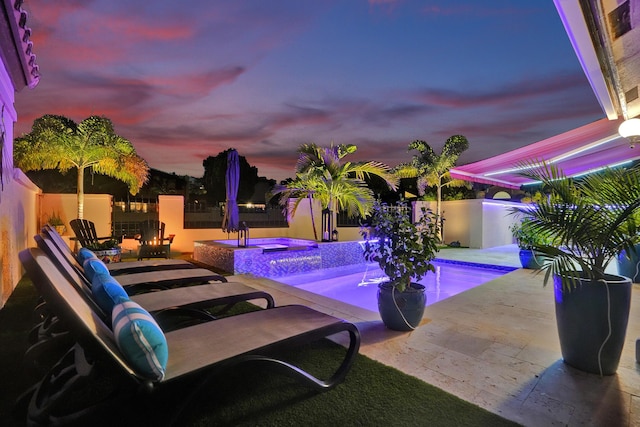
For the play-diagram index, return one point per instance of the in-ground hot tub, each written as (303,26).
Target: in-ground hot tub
(276,256)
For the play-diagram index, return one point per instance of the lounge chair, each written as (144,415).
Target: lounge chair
(187,304)
(197,296)
(122,267)
(153,244)
(192,354)
(144,278)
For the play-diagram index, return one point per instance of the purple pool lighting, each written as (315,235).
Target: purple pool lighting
(357,285)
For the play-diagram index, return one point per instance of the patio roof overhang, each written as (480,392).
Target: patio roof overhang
(605,36)
(577,152)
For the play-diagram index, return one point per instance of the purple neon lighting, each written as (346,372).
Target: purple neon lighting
(357,285)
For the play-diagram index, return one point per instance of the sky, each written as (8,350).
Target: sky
(187,80)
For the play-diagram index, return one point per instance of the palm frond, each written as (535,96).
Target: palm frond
(592,219)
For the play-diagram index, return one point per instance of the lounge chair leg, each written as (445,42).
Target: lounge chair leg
(72,373)
(308,379)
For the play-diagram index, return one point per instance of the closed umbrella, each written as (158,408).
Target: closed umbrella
(231,219)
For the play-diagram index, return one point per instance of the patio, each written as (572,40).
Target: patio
(496,346)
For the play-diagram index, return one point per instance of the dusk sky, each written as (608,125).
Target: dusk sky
(186,80)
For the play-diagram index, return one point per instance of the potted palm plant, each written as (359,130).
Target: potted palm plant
(592,220)
(404,250)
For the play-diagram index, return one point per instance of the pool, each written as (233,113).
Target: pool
(357,284)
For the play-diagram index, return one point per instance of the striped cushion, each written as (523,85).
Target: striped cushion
(140,340)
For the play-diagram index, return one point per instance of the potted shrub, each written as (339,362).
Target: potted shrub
(527,239)
(629,264)
(56,222)
(404,250)
(108,251)
(592,220)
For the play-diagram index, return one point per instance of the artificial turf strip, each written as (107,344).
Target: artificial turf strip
(16,319)
(251,395)
(372,395)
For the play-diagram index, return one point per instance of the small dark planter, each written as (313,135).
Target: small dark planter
(406,312)
(108,255)
(530,259)
(585,315)
(630,267)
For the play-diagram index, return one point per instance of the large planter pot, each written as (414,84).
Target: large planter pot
(531,259)
(592,322)
(630,267)
(401,311)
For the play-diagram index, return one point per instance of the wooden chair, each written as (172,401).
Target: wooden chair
(153,244)
(86,235)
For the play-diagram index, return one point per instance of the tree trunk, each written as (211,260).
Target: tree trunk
(313,221)
(80,193)
(439,210)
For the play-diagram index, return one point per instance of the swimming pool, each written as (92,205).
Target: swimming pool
(357,284)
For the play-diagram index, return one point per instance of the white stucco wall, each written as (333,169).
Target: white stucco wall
(476,223)
(18,198)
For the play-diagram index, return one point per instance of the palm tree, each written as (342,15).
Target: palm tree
(56,142)
(339,186)
(432,169)
(298,189)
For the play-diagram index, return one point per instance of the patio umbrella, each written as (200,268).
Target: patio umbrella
(231,220)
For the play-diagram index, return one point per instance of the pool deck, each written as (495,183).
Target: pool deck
(496,346)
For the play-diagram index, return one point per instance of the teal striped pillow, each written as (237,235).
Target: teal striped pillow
(140,340)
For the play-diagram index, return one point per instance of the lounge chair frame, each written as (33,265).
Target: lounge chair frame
(249,337)
(144,279)
(191,304)
(117,268)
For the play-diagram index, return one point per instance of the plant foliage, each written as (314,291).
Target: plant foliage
(432,169)
(338,185)
(56,142)
(321,174)
(54,219)
(403,249)
(528,238)
(591,219)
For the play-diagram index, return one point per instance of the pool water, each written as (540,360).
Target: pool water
(357,285)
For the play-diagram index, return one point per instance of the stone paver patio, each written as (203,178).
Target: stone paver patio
(497,346)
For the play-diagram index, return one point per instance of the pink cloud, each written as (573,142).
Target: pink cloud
(194,83)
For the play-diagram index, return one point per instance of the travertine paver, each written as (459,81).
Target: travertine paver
(496,346)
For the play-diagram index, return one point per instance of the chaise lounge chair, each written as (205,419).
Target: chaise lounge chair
(197,296)
(192,354)
(186,304)
(122,267)
(145,277)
